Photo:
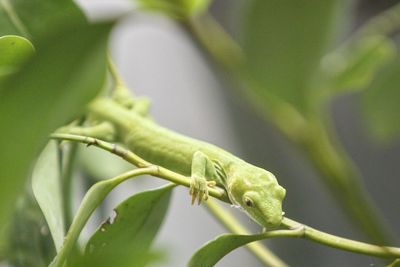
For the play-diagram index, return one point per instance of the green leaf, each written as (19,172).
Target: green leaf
(93,197)
(215,250)
(178,9)
(380,102)
(67,71)
(35,18)
(46,185)
(125,239)
(14,50)
(355,67)
(283,42)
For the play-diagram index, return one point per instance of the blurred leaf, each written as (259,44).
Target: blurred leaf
(126,239)
(92,199)
(46,185)
(67,71)
(37,17)
(14,50)
(28,239)
(176,8)
(395,263)
(381,102)
(354,68)
(100,164)
(214,250)
(284,42)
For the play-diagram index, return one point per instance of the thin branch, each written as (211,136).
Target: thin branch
(340,242)
(134,159)
(298,229)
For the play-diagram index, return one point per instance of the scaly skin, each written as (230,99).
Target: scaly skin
(254,189)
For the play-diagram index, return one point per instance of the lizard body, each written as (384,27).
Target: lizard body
(252,188)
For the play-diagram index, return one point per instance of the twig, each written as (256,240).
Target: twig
(298,229)
(340,242)
(137,161)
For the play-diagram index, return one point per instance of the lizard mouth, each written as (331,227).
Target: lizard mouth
(271,221)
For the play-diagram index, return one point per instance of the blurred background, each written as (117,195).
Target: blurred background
(158,59)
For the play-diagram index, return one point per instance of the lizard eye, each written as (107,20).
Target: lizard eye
(248,202)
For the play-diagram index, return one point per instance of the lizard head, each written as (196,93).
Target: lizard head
(258,193)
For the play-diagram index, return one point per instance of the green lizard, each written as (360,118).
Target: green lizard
(253,189)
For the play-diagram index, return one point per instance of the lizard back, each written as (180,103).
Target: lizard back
(154,143)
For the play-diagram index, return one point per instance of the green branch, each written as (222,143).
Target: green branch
(137,161)
(312,234)
(298,230)
(261,252)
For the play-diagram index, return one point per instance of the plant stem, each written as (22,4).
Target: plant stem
(231,223)
(299,230)
(335,168)
(137,161)
(340,242)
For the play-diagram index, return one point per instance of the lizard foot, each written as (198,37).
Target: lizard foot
(199,189)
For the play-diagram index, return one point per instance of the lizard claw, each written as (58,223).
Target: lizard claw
(194,195)
(198,189)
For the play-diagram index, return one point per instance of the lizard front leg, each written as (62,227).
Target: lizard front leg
(201,169)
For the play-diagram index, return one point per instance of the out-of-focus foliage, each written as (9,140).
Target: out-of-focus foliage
(51,88)
(126,239)
(34,19)
(176,8)
(283,42)
(381,102)
(355,67)
(46,186)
